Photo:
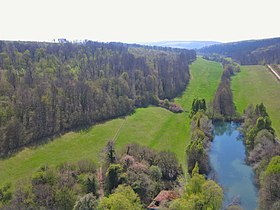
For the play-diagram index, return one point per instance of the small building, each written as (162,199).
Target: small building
(163,197)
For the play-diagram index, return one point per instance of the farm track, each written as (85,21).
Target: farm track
(273,71)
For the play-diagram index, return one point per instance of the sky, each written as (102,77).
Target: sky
(134,21)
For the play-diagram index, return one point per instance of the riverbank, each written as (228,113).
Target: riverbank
(227,157)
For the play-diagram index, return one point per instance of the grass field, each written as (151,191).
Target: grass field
(206,77)
(256,84)
(152,126)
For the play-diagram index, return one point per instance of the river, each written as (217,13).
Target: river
(227,158)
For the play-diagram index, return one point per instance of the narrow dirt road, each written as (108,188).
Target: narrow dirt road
(99,172)
(274,72)
(100,182)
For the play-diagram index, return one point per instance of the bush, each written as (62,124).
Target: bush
(87,202)
(64,198)
(85,166)
(168,164)
(155,173)
(123,198)
(5,194)
(170,106)
(270,184)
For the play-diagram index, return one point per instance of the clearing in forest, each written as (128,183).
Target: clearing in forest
(153,126)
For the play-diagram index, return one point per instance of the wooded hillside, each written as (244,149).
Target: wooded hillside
(249,52)
(47,88)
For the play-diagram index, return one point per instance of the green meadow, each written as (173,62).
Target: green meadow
(256,84)
(154,127)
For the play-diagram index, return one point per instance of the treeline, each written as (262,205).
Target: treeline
(131,179)
(264,55)
(201,136)
(252,52)
(198,191)
(263,154)
(48,88)
(223,106)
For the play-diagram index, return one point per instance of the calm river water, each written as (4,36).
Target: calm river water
(227,159)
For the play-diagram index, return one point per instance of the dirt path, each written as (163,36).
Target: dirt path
(277,140)
(100,182)
(99,172)
(274,72)
(118,131)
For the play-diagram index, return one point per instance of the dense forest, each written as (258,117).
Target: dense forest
(48,88)
(201,129)
(252,52)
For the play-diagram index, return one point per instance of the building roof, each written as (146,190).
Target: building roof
(166,195)
(163,196)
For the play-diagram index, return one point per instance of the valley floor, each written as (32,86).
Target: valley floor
(153,126)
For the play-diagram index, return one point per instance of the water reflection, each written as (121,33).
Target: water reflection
(225,127)
(227,158)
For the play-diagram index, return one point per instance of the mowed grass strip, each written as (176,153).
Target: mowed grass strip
(206,76)
(155,127)
(256,84)
(162,131)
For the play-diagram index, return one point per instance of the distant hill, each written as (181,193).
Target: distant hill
(248,52)
(182,44)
